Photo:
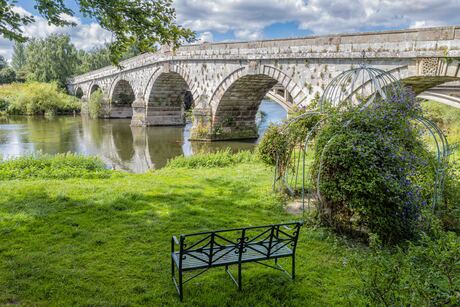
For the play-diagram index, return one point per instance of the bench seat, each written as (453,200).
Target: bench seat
(228,255)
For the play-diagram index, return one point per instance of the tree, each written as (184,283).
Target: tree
(3,63)
(7,75)
(19,56)
(51,59)
(139,23)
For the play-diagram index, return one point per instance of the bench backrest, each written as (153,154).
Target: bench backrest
(210,246)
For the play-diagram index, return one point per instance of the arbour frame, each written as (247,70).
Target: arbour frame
(357,87)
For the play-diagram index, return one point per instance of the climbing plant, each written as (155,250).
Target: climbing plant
(373,170)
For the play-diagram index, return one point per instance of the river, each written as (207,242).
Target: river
(132,149)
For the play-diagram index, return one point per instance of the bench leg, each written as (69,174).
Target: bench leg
(181,290)
(239,276)
(293,267)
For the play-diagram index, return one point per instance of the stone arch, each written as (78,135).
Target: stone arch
(79,92)
(236,100)
(92,88)
(122,97)
(167,96)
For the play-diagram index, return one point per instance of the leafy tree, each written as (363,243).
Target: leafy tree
(7,75)
(133,22)
(3,62)
(19,56)
(51,59)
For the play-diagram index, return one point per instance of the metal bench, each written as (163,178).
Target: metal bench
(204,250)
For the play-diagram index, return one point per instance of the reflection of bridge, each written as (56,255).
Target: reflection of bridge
(227,81)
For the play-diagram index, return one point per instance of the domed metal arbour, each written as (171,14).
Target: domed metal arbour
(359,87)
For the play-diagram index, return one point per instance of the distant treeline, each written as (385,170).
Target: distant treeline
(53,59)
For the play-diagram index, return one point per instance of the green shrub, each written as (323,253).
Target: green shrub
(425,273)
(96,104)
(4,103)
(216,159)
(60,166)
(35,98)
(449,212)
(375,173)
(277,142)
(7,75)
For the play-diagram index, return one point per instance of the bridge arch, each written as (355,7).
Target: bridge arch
(236,100)
(122,97)
(167,95)
(79,93)
(92,88)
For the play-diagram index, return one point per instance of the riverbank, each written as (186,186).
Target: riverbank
(36,98)
(106,241)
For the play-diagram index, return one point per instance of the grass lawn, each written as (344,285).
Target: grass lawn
(107,241)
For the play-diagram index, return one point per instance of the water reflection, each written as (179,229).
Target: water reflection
(134,149)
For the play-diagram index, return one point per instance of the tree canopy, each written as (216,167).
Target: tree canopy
(51,59)
(139,23)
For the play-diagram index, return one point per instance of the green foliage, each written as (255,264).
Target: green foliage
(142,24)
(19,56)
(60,166)
(374,170)
(425,273)
(96,104)
(34,98)
(7,75)
(449,212)
(4,104)
(3,62)
(278,141)
(217,159)
(53,58)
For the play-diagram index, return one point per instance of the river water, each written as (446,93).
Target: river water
(133,149)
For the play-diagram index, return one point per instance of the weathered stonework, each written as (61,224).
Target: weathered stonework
(226,81)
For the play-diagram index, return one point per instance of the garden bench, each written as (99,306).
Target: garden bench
(204,250)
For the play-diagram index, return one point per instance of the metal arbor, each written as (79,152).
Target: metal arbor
(357,88)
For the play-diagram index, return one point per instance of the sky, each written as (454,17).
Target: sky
(230,20)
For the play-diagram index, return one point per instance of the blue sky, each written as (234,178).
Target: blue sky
(226,20)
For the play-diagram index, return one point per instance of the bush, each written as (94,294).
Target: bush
(422,274)
(375,172)
(217,159)
(60,166)
(7,75)
(4,103)
(96,104)
(450,210)
(278,141)
(36,98)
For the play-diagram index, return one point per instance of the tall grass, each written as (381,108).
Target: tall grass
(217,159)
(36,98)
(60,166)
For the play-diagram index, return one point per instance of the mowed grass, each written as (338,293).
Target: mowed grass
(107,242)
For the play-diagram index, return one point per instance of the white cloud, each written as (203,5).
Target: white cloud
(206,37)
(83,36)
(246,19)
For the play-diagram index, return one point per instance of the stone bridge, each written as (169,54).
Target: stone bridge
(225,82)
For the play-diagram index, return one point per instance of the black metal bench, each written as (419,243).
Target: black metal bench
(204,250)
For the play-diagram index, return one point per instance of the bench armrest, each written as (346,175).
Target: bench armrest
(175,240)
